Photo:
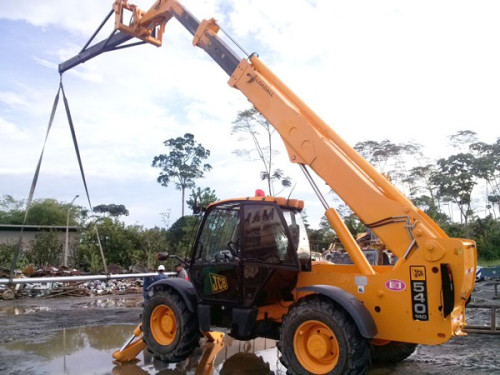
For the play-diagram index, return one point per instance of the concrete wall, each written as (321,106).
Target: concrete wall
(9,234)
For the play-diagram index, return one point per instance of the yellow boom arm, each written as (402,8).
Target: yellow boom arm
(424,250)
(308,139)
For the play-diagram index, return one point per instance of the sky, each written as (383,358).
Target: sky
(373,70)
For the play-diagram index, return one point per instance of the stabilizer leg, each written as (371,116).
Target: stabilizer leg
(132,347)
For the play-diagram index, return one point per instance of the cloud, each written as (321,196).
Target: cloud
(9,130)
(81,17)
(380,70)
(12,99)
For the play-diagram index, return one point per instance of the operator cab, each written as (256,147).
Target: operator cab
(249,251)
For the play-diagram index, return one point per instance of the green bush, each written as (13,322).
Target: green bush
(7,251)
(46,249)
(486,233)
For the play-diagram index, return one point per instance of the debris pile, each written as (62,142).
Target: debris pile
(126,286)
(50,271)
(53,288)
(76,289)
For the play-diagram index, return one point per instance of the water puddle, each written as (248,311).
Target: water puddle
(88,350)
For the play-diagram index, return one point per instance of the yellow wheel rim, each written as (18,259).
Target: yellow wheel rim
(163,325)
(316,347)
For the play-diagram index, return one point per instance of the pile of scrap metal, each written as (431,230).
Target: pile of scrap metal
(128,286)
(55,287)
(49,288)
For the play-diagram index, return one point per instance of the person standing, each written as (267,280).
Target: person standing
(181,272)
(161,273)
(152,279)
(148,280)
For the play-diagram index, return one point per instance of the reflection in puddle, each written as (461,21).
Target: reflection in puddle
(111,302)
(88,350)
(103,302)
(21,310)
(257,357)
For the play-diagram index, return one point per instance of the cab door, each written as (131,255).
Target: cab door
(269,257)
(215,266)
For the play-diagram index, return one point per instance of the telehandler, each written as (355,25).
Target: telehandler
(250,268)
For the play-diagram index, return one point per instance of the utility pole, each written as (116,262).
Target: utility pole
(67,232)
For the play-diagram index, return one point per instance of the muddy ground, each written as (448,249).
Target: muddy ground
(78,335)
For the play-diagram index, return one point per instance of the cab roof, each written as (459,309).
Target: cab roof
(280,201)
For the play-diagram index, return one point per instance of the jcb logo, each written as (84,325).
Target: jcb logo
(218,283)
(418,273)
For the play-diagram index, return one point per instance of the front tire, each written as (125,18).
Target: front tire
(169,329)
(319,337)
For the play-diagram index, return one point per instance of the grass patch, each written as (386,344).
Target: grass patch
(489,263)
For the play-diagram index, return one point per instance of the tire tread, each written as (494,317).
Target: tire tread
(358,355)
(189,336)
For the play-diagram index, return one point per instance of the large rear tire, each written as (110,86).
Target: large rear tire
(392,351)
(170,330)
(319,337)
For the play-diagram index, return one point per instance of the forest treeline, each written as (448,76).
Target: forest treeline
(460,192)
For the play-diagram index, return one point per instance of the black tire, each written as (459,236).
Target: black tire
(168,309)
(392,352)
(344,343)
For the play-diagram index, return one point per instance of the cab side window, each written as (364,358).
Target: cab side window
(219,238)
(265,236)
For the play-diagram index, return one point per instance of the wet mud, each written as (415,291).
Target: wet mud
(78,336)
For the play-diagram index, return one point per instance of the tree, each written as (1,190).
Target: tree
(488,169)
(320,239)
(462,138)
(183,164)
(389,158)
(455,180)
(252,124)
(8,203)
(486,233)
(422,189)
(181,235)
(42,212)
(153,241)
(279,176)
(114,210)
(354,225)
(121,244)
(200,199)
